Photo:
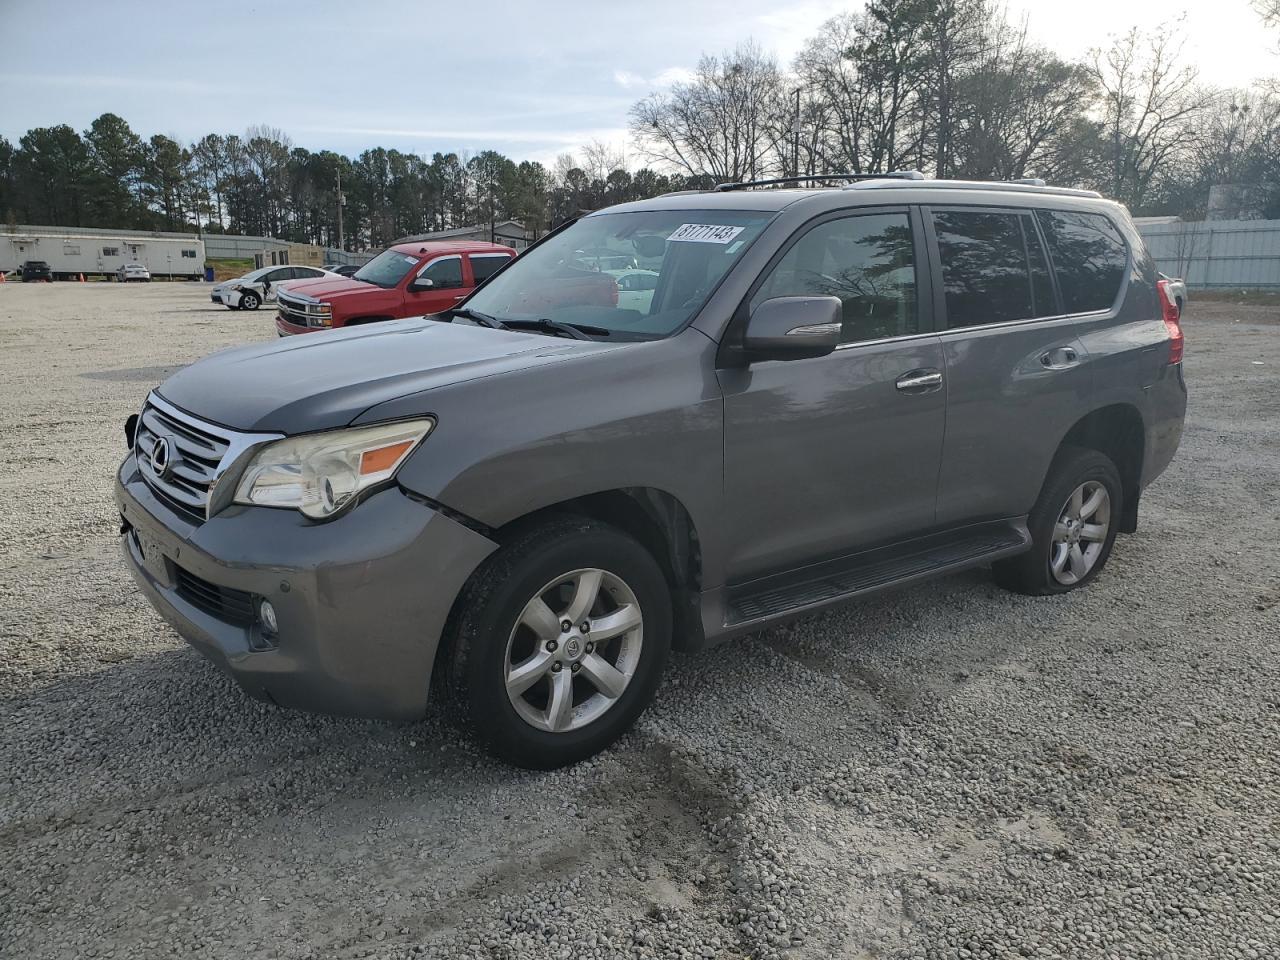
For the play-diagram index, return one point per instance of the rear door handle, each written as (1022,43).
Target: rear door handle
(919,381)
(1060,358)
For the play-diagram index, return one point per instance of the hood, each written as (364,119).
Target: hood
(329,289)
(318,381)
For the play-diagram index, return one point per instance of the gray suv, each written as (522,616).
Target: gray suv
(527,502)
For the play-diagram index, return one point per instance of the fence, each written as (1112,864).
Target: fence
(1233,254)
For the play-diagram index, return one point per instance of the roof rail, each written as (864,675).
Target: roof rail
(821,178)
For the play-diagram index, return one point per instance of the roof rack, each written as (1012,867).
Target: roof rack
(821,178)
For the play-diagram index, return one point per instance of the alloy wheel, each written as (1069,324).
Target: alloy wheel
(1080,535)
(573,650)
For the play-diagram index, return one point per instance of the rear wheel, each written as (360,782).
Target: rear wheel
(1073,526)
(561,643)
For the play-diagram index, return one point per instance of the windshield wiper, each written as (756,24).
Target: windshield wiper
(579,331)
(475,315)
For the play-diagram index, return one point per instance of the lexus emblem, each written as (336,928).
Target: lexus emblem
(162,458)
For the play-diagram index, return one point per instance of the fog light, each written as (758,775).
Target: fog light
(267,614)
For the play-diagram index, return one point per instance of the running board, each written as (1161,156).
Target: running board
(824,584)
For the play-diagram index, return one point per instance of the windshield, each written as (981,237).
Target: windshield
(639,275)
(387,268)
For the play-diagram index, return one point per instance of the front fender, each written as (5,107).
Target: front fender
(646,415)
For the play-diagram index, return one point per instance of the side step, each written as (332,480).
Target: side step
(821,585)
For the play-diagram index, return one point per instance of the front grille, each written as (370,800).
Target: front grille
(195,454)
(295,311)
(231,606)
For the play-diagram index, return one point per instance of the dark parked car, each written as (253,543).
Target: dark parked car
(34,270)
(532,498)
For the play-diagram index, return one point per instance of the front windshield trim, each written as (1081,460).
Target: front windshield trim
(767,218)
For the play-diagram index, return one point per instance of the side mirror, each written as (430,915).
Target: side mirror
(422,283)
(792,328)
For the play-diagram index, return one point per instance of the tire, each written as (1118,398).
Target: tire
(557,563)
(1067,552)
(250,300)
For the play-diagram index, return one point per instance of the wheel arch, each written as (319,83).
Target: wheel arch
(656,519)
(1118,431)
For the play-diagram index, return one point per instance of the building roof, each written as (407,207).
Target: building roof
(462,231)
(415,247)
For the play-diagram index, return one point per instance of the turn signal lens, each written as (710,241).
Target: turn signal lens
(384,458)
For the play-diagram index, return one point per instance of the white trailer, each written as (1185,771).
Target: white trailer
(100,255)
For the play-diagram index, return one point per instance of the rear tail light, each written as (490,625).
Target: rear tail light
(1172,321)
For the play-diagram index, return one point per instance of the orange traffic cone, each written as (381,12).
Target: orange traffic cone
(1,276)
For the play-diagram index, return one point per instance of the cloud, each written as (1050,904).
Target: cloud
(627,80)
(786,31)
(564,138)
(673,75)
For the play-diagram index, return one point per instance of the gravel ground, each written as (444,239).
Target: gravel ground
(944,771)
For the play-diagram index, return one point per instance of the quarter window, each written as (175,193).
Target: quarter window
(1089,257)
(993,267)
(867,261)
(484,267)
(444,274)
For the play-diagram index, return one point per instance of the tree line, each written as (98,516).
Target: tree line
(948,87)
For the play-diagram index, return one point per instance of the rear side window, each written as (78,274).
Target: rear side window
(486,265)
(1089,257)
(993,267)
(867,261)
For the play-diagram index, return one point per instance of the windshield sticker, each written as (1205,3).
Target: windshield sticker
(705,233)
(410,260)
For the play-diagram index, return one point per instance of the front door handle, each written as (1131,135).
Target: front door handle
(919,381)
(1060,358)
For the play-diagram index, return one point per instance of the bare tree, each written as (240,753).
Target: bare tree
(1020,111)
(1152,106)
(865,69)
(1269,11)
(714,124)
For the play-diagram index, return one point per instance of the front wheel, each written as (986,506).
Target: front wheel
(250,300)
(1073,526)
(561,642)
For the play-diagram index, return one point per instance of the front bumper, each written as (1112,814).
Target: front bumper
(216,296)
(361,601)
(287,329)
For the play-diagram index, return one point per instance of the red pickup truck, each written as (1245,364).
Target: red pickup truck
(407,280)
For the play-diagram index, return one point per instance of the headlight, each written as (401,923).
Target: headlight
(236,286)
(321,473)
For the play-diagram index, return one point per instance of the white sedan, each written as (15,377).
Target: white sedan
(253,289)
(133,272)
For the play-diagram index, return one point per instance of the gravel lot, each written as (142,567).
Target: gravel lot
(945,771)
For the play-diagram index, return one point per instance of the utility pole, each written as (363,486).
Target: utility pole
(341,245)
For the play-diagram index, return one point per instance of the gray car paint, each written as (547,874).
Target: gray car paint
(778,464)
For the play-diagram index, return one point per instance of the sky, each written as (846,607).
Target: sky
(531,79)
